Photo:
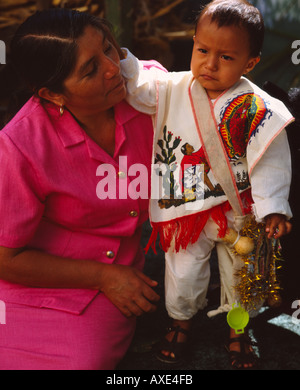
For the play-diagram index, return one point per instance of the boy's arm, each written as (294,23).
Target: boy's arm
(270,182)
(141,81)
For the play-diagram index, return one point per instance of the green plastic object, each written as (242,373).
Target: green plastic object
(237,319)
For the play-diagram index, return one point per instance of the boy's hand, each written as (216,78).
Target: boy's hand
(277,225)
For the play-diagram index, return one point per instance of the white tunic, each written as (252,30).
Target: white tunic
(260,161)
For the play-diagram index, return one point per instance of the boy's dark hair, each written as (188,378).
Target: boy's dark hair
(238,13)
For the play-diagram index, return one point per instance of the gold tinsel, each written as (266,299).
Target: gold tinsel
(257,279)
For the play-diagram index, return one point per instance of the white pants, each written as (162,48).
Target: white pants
(187,274)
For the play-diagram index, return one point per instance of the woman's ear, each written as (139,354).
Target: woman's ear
(251,64)
(52,97)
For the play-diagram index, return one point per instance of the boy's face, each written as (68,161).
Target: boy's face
(221,55)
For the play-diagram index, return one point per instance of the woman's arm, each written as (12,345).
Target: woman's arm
(127,288)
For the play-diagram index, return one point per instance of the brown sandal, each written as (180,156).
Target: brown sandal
(238,359)
(178,349)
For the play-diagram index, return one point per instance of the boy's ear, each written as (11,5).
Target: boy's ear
(52,97)
(251,64)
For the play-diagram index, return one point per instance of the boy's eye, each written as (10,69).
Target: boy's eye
(203,51)
(227,58)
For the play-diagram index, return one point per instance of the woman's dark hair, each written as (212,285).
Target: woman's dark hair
(43,52)
(44,48)
(238,13)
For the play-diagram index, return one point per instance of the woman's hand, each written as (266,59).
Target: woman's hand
(128,289)
(277,225)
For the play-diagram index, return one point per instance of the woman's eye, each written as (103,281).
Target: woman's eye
(92,72)
(108,48)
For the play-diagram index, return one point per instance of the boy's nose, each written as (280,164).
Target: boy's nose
(212,63)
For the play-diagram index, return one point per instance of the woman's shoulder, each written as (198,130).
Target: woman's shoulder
(28,124)
(26,111)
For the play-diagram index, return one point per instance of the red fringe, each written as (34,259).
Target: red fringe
(186,230)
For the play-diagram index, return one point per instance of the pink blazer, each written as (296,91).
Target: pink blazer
(49,201)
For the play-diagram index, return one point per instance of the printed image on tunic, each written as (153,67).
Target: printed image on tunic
(185,179)
(188,173)
(181,181)
(241,120)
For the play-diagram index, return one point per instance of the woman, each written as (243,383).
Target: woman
(70,258)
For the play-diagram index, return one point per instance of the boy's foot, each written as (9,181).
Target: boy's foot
(172,349)
(240,351)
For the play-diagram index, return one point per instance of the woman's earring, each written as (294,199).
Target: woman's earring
(61,110)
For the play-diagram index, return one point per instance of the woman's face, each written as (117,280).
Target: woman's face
(96,83)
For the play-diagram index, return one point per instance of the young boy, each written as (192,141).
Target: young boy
(227,45)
